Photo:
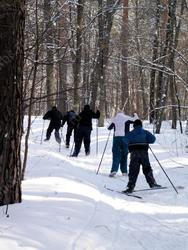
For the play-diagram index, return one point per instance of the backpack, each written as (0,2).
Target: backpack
(71,119)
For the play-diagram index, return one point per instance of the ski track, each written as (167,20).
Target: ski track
(89,226)
(150,222)
(81,234)
(120,216)
(118,235)
(121,231)
(115,238)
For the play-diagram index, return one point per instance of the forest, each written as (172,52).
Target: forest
(129,55)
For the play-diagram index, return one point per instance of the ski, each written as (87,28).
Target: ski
(57,138)
(180,187)
(121,192)
(149,189)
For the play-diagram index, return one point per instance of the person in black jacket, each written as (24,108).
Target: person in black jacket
(71,119)
(84,130)
(55,118)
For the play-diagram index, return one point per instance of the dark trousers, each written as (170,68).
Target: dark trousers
(137,158)
(69,133)
(51,127)
(82,134)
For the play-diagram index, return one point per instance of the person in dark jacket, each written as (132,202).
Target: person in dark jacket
(121,124)
(71,119)
(84,129)
(138,140)
(55,118)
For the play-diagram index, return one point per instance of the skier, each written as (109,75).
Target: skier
(121,124)
(84,129)
(138,140)
(71,119)
(55,118)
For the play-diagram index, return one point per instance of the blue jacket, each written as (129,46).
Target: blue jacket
(139,138)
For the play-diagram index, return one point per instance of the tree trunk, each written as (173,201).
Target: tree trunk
(153,70)
(77,63)
(62,66)
(174,44)
(162,82)
(11,87)
(124,54)
(50,83)
(32,91)
(105,20)
(142,83)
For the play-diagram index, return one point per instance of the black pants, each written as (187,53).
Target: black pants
(69,133)
(137,158)
(82,134)
(51,128)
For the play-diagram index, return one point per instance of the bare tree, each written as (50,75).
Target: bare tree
(124,54)
(105,21)
(78,52)
(62,49)
(50,83)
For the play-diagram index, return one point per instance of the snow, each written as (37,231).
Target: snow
(66,207)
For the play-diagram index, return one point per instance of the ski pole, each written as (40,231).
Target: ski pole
(60,139)
(72,148)
(42,132)
(103,152)
(163,170)
(97,137)
(74,136)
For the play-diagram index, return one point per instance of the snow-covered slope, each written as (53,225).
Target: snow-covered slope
(66,207)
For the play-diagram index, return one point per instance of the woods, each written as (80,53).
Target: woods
(112,54)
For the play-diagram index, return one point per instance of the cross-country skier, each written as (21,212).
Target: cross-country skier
(121,124)
(72,122)
(138,140)
(84,129)
(55,118)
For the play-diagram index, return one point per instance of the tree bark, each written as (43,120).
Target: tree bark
(12,19)
(32,91)
(124,54)
(162,82)
(62,66)
(78,57)
(50,83)
(153,70)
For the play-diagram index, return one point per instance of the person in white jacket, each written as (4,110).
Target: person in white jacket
(121,125)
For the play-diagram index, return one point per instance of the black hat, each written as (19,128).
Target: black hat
(137,123)
(54,108)
(87,107)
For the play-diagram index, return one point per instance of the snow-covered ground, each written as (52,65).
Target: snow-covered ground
(66,207)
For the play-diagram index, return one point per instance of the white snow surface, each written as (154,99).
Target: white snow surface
(66,207)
